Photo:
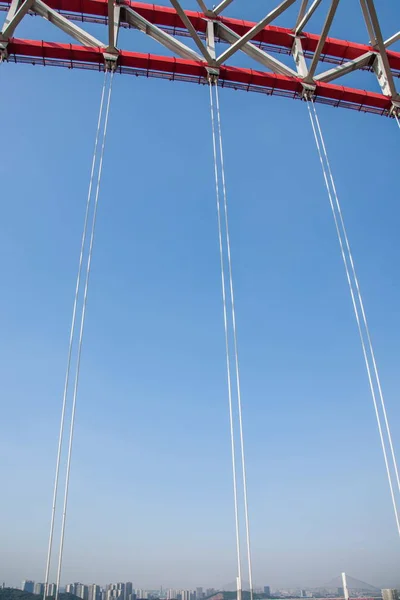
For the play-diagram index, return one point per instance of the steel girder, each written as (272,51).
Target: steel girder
(257,40)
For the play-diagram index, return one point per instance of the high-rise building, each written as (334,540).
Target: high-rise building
(94,592)
(128,590)
(28,586)
(210,592)
(115,590)
(82,591)
(267,591)
(390,594)
(199,593)
(187,595)
(51,589)
(142,594)
(70,588)
(39,589)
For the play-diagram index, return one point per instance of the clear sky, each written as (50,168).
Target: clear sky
(151,493)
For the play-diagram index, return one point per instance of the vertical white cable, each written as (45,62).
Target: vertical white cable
(71,337)
(235,344)
(78,363)
(367,365)
(360,300)
(228,369)
(398,121)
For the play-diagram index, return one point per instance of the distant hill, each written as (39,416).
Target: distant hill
(14,594)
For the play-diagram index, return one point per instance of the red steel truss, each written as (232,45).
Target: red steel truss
(268,39)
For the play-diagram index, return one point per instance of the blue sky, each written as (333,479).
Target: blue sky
(150,497)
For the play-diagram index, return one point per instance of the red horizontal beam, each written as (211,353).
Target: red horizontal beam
(69,53)
(165,16)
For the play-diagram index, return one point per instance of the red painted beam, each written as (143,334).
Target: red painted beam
(176,66)
(165,16)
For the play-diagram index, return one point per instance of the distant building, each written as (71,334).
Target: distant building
(28,586)
(210,592)
(70,588)
(94,592)
(82,591)
(199,593)
(142,594)
(39,589)
(390,594)
(51,589)
(340,592)
(128,590)
(267,591)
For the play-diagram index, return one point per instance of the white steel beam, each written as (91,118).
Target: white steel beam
(114,16)
(307,16)
(321,41)
(211,39)
(14,6)
(221,6)
(254,30)
(348,67)
(302,12)
(14,17)
(394,38)
(66,25)
(177,47)
(195,36)
(382,66)
(254,52)
(202,6)
(368,22)
(298,56)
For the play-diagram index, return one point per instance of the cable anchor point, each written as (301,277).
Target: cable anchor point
(308,93)
(111,60)
(212,75)
(3,52)
(395,109)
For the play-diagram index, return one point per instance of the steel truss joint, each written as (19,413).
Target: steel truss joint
(212,75)
(3,51)
(308,90)
(111,60)
(395,109)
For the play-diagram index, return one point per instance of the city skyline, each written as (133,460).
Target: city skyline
(126,590)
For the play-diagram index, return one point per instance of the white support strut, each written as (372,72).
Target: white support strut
(195,36)
(321,41)
(66,25)
(254,30)
(15,15)
(177,47)
(276,66)
(307,16)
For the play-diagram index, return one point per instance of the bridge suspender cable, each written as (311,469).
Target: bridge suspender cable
(71,338)
(82,325)
(107,78)
(360,300)
(228,367)
(355,295)
(235,346)
(216,130)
